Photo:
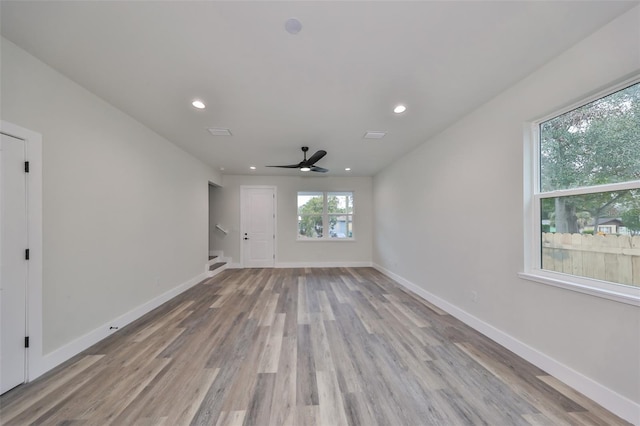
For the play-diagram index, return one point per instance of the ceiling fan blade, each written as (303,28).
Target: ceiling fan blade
(307,164)
(316,157)
(290,166)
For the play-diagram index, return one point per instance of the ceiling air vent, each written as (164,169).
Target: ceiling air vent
(219,132)
(374,135)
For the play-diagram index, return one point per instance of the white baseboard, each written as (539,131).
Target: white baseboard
(60,355)
(323,264)
(609,399)
(285,265)
(217,270)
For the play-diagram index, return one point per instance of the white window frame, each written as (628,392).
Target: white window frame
(325,217)
(532,223)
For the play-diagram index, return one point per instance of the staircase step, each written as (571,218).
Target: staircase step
(212,257)
(217,265)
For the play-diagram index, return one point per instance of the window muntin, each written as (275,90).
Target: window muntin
(320,211)
(587,186)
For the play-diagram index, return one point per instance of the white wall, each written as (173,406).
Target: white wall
(125,212)
(470,178)
(289,251)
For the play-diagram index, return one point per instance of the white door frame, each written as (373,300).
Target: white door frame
(275,220)
(33,142)
(13,324)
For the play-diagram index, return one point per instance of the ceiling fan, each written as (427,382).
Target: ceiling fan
(308,165)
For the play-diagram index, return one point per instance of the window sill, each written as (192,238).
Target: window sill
(626,294)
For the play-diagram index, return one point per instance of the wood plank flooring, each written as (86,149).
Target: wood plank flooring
(336,346)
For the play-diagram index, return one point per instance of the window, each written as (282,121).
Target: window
(320,211)
(584,209)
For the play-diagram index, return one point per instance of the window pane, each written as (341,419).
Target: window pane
(310,202)
(598,143)
(593,235)
(340,202)
(310,226)
(341,226)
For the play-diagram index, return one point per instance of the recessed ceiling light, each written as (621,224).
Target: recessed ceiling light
(374,135)
(252,167)
(222,169)
(219,132)
(305,169)
(198,104)
(399,109)
(348,169)
(293,26)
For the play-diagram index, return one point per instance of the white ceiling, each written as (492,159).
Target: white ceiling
(324,87)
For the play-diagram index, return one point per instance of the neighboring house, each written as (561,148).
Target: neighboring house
(608,225)
(340,230)
(547,226)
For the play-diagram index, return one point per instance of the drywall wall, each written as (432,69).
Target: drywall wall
(125,212)
(290,251)
(460,197)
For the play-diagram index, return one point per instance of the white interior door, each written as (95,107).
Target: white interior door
(13,265)
(258,226)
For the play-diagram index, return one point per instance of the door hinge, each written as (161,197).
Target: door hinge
(26,341)
(26,254)
(26,167)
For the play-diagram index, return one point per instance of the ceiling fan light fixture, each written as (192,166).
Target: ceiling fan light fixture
(399,109)
(197,103)
(305,169)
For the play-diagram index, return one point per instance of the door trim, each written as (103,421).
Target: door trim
(275,220)
(33,142)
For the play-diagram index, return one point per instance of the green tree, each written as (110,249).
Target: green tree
(596,144)
(631,220)
(310,218)
(310,222)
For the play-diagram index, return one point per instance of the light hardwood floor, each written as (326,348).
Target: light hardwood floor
(338,346)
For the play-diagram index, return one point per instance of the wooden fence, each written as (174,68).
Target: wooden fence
(604,257)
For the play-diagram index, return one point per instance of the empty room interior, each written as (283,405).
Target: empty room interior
(320,213)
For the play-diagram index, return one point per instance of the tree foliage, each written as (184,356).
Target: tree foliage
(596,144)
(310,218)
(310,215)
(631,220)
